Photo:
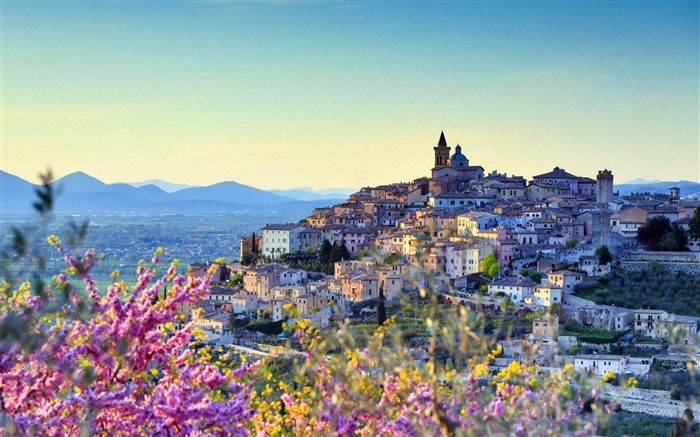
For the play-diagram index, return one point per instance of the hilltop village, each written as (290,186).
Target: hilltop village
(519,246)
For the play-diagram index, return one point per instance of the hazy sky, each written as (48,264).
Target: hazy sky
(347,94)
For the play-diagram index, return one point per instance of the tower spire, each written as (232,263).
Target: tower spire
(442,142)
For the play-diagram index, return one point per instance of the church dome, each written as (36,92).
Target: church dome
(457,156)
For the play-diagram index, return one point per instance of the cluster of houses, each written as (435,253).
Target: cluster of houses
(450,222)
(447,225)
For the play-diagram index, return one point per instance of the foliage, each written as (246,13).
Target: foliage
(592,335)
(556,309)
(657,233)
(236,280)
(381,307)
(535,276)
(392,258)
(603,254)
(123,369)
(655,289)
(268,328)
(571,242)
(694,225)
(507,304)
(490,266)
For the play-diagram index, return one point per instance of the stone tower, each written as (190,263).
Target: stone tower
(604,188)
(674,193)
(442,152)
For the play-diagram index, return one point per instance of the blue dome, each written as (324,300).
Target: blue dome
(457,156)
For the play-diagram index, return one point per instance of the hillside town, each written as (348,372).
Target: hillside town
(504,242)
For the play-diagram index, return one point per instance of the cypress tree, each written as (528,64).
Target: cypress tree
(381,307)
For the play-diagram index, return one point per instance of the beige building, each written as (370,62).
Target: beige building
(546,326)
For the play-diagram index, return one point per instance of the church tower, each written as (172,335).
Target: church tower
(604,186)
(442,152)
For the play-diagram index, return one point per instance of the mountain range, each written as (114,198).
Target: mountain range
(688,188)
(80,192)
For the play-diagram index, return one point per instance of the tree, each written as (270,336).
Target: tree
(507,304)
(248,259)
(684,426)
(392,258)
(653,230)
(535,277)
(254,244)
(694,225)
(236,280)
(556,309)
(381,307)
(324,254)
(571,242)
(232,320)
(603,254)
(490,266)
(668,242)
(681,237)
(339,252)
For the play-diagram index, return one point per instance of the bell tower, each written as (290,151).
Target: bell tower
(442,152)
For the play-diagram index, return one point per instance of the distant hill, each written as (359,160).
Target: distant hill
(306,193)
(640,181)
(80,192)
(16,194)
(232,192)
(166,186)
(688,188)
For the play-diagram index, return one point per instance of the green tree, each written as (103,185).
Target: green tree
(653,230)
(681,237)
(231,325)
(339,252)
(535,277)
(392,258)
(556,309)
(603,254)
(668,242)
(381,307)
(248,259)
(571,242)
(694,225)
(490,265)
(507,304)
(324,255)
(236,280)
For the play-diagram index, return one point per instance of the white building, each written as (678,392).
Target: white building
(278,239)
(599,364)
(515,288)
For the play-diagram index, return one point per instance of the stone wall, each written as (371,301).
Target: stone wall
(638,266)
(654,402)
(643,255)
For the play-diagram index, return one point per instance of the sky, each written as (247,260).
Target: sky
(347,94)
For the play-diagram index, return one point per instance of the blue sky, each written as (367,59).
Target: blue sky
(282,94)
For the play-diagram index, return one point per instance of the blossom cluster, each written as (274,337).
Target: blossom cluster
(130,367)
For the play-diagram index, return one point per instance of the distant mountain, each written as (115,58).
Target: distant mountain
(233,192)
(166,186)
(640,181)
(80,182)
(16,194)
(80,192)
(306,193)
(688,188)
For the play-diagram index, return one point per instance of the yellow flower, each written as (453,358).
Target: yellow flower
(158,251)
(609,375)
(54,240)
